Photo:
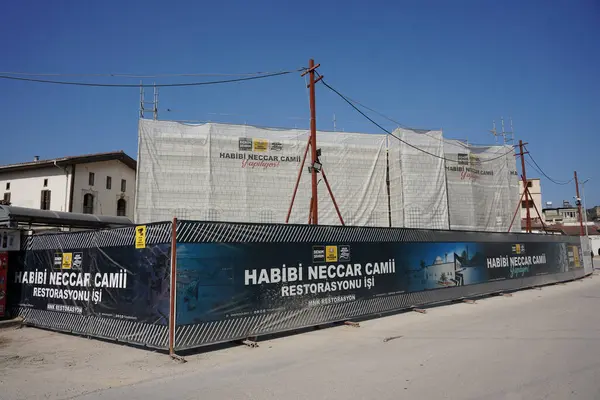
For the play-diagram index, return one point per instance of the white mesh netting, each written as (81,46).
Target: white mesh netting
(418,196)
(242,173)
(224,172)
(483,189)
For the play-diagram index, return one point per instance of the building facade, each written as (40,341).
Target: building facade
(535,189)
(100,184)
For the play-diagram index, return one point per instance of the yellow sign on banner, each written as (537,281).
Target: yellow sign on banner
(260,145)
(331,254)
(67,261)
(576,256)
(140,237)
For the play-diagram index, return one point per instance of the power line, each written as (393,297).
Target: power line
(541,171)
(396,137)
(124,85)
(137,76)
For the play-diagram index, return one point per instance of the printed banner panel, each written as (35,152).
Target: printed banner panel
(121,282)
(218,281)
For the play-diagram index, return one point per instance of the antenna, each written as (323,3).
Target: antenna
(334,125)
(508,137)
(141,100)
(155,103)
(493,131)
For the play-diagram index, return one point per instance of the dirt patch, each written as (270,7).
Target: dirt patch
(35,362)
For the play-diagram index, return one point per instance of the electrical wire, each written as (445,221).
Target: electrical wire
(541,171)
(394,136)
(121,75)
(119,85)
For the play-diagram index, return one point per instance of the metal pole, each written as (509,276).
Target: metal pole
(313,142)
(287,219)
(332,197)
(578,204)
(173,288)
(587,235)
(538,213)
(516,211)
(528,215)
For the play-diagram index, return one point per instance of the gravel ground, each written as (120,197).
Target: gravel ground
(537,344)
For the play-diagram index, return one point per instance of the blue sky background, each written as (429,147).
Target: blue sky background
(455,65)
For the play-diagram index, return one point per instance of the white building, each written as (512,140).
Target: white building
(100,184)
(535,189)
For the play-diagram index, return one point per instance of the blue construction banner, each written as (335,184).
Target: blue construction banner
(218,281)
(113,283)
(117,282)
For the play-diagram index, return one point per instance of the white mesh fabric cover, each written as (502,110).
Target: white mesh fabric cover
(483,189)
(417,180)
(242,173)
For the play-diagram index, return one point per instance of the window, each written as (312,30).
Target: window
(91,179)
(45,182)
(6,198)
(123,185)
(121,208)
(108,182)
(45,200)
(529,184)
(88,203)
(7,185)
(524,204)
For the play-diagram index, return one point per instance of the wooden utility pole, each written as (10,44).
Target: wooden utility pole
(315,166)
(578,200)
(313,140)
(525,191)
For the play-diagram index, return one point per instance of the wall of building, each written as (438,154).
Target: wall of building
(26,187)
(105,200)
(536,195)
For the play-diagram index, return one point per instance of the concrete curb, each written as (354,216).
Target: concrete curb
(11,323)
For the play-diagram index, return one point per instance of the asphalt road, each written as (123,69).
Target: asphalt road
(537,344)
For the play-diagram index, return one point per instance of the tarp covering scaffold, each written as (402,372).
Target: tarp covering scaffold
(418,197)
(483,187)
(241,173)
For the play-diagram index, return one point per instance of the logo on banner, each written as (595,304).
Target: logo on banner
(77,261)
(67,261)
(260,145)
(245,144)
(57,263)
(140,237)
(256,153)
(474,160)
(518,249)
(318,254)
(344,251)
(331,253)
(276,146)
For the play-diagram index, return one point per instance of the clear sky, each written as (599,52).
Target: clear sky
(451,64)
